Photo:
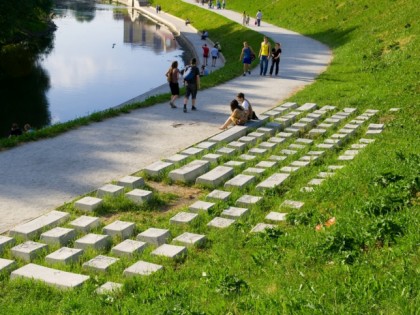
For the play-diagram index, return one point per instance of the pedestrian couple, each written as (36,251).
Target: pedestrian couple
(265,54)
(241,112)
(191,78)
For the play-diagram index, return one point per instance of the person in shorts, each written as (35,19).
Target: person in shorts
(173,77)
(246,58)
(214,52)
(192,86)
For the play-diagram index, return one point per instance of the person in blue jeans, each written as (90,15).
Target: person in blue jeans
(264,56)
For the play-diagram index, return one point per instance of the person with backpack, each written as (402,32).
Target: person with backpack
(192,83)
(246,105)
(173,76)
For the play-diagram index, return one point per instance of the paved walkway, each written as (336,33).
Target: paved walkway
(38,177)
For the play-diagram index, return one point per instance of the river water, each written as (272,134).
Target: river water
(101,56)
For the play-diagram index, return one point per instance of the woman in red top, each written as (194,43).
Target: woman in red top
(205,54)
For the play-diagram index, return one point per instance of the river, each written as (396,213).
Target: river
(101,55)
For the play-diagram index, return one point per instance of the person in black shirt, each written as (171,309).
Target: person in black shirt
(275,58)
(192,85)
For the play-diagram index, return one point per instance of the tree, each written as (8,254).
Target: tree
(23,19)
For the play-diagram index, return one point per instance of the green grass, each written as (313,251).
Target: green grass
(367,263)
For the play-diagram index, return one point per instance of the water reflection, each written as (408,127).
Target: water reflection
(101,56)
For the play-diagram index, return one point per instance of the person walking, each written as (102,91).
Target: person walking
(275,59)
(259,17)
(264,55)
(192,84)
(246,58)
(173,77)
(214,52)
(206,51)
(244,18)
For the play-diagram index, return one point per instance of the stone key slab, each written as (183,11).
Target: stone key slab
(110,190)
(131,182)
(273,181)
(64,255)
(240,181)
(154,236)
(88,203)
(6,241)
(260,227)
(234,212)
(7,264)
(141,268)
(85,223)
(201,206)
(170,251)
(94,241)
(190,239)
(190,172)
(58,236)
(128,248)
(33,228)
(157,168)
(57,278)
(119,228)
(139,196)
(100,263)
(229,135)
(109,287)
(215,177)
(183,218)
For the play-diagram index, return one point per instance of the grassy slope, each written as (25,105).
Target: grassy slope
(365,264)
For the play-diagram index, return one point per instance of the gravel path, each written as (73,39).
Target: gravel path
(38,177)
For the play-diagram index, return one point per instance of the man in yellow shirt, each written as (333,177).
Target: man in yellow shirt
(264,55)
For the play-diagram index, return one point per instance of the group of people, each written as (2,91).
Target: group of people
(16,131)
(191,78)
(214,53)
(219,4)
(265,54)
(241,109)
(258,18)
(241,112)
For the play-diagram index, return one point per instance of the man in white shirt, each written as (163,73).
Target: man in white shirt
(259,17)
(245,105)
